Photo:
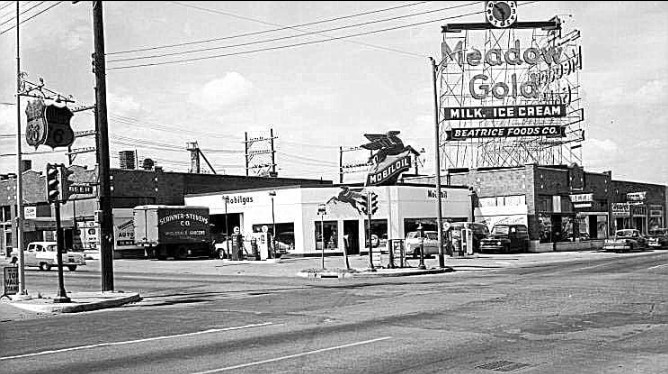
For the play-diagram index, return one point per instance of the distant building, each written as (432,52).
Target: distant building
(129,188)
(559,203)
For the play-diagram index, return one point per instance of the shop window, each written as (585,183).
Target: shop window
(330,235)
(285,234)
(378,233)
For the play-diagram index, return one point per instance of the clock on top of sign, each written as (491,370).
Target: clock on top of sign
(501,14)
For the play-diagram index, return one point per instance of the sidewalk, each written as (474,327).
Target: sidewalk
(79,302)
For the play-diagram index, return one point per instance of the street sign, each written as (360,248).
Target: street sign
(59,133)
(36,131)
(11,280)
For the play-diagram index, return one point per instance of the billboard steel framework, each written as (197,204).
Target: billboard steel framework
(554,71)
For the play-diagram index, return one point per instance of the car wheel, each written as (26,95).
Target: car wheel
(72,267)
(44,266)
(182,253)
(221,254)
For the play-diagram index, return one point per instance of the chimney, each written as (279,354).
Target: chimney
(127,159)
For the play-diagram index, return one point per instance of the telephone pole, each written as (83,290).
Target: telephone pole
(19,168)
(106,216)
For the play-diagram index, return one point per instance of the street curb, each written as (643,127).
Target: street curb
(403,274)
(368,274)
(77,308)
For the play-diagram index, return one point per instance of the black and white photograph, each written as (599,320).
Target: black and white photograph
(201,187)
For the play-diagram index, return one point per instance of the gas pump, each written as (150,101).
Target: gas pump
(467,241)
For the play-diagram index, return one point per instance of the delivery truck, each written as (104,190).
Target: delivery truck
(178,232)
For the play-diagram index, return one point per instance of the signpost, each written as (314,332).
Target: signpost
(11,281)
(322,210)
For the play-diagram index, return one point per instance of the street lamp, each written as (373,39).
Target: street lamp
(227,230)
(272,194)
(421,266)
(437,166)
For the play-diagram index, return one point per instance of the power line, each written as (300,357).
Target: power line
(31,17)
(22,13)
(256,32)
(367,23)
(289,45)
(297,44)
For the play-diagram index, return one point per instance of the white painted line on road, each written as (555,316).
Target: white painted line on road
(292,356)
(657,266)
(591,267)
(134,341)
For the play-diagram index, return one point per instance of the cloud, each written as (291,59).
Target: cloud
(122,104)
(222,92)
(73,39)
(599,153)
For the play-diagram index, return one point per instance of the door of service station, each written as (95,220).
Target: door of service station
(351,231)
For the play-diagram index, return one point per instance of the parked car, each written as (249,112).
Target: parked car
(506,238)
(429,241)
(625,240)
(44,255)
(658,238)
(480,232)
(285,242)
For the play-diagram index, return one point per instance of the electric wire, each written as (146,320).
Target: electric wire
(302,34)
(184,61)
(31,17)
(282,28)
(22,13)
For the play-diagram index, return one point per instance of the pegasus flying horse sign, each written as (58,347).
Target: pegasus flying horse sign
(390,160)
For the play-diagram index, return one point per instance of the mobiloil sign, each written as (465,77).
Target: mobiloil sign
(390,160)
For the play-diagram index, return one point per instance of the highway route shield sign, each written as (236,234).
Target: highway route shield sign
(37,130)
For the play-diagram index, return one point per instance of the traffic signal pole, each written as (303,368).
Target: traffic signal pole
(368,232)
(61,297)
(106,224)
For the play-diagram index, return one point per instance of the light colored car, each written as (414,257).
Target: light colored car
(625,240)
(429,242)
(44,255)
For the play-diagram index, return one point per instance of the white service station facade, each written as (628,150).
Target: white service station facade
(296,207)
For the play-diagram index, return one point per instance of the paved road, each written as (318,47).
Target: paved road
(591,314)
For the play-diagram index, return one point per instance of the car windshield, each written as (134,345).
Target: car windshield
(51,248)
(432,236)
(500,230)
(625,233)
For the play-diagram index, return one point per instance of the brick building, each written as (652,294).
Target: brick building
(129,188)
(560,203)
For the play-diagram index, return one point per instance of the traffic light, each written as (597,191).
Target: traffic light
(364,205)
(52,183)
(373,203)
(65,184)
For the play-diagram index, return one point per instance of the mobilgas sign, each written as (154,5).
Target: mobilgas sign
(501,112)
(390,170)
(243,200)
(504,132)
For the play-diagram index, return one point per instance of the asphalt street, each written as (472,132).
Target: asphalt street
(586,313)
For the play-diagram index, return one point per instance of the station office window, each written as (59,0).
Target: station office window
(331,235)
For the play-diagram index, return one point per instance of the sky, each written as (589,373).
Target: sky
(322,94)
